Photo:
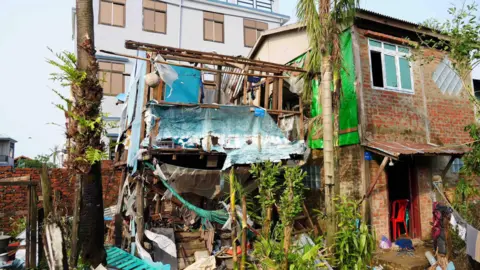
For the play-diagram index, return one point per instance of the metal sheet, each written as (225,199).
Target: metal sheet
(395,149)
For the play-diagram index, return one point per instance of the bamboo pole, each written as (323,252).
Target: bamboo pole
(139,217)
(188,66)
(234,219)
(244,232)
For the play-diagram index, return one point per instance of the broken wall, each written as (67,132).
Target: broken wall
(13,202)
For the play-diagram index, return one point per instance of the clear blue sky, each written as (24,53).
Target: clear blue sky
(28,27)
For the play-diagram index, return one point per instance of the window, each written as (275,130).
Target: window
(111,77)
(457,165)
(112,12)
(252,31)
(12,150)
(390,67)
(213,27)
(154,16)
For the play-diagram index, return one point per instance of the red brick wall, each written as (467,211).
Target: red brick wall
(379,202)
(425,189)
(13,202)
(393,116)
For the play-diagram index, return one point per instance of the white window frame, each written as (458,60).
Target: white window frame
(397,54)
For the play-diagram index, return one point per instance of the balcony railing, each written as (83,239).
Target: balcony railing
(266,5)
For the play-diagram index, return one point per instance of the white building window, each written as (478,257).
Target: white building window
(390,67)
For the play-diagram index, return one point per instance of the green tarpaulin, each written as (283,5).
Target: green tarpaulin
(348,100)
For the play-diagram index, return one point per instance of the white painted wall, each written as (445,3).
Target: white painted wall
(282,47)
(113,38)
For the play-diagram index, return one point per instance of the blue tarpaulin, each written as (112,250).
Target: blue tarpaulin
(186,88)
(135,107)
(245,136)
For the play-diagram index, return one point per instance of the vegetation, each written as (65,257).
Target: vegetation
(37,162)
(18,226)
(273,249)
(354,242)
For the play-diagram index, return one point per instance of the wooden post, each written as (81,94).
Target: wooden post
(302,125)
(219,85)
(447,168)
(139,216)
(275,94)
(267,94)
(33,226)
(244,233)
(245,88)
(46,191)
(280,94)
(28,230)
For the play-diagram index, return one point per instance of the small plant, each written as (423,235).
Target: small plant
(266,175)
(354,245)
(18,226)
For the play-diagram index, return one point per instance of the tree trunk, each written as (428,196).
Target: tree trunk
(87,98)
(267,222)
(75,249)
(328,154)
(327,121)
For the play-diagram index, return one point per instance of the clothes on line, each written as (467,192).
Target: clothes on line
(473,243)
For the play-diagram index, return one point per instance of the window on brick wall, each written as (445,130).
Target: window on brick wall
(252,31)
(457,165)
(390,66)
(112,12)
(213,28)
(111,78)
(154,16)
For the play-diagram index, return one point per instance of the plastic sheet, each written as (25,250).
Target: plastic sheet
(205,183)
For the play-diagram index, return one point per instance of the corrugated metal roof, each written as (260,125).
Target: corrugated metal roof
(385,16)
(395,149)
(5,137)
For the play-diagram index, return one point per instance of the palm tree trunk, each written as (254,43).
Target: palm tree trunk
(327,118)
(87,98)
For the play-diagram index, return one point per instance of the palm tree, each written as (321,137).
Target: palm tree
(323,29)
(87,97)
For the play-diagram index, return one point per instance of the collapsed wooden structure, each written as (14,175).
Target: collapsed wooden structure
(231,114)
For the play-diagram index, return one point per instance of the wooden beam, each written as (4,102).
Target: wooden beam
(15,179)
(139,219)
(302,125)
(245,89)
(187,66)
(135,45)
(275,95)
(267,93)
(447,168)
(33,227)
(278,111)
(377,176)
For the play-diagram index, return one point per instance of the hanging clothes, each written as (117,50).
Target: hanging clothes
(458,225)
(473,243)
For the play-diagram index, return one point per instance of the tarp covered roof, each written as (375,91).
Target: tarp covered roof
(395,149)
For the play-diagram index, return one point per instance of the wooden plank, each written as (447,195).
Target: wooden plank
(245,89)
(139,220)
(267,93)
(300,122)
(19,183)
(187,66)
(278,111)
(15,179)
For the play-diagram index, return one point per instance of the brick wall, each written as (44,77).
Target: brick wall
(350,178)
(13,202)
(379,201)
(394,116)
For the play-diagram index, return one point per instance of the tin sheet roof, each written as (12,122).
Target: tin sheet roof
(395,149)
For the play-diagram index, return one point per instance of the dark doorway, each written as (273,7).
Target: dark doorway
(399,177)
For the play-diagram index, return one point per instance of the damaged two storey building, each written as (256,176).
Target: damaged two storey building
(402,118)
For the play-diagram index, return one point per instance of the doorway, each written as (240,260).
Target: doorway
(402,185)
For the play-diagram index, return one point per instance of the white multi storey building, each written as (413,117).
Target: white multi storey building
(224,26)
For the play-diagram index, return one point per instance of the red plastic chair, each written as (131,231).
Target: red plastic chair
(398,217)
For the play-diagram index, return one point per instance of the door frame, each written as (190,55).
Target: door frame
(414,214)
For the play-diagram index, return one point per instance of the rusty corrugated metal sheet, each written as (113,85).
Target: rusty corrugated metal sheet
(395,149)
